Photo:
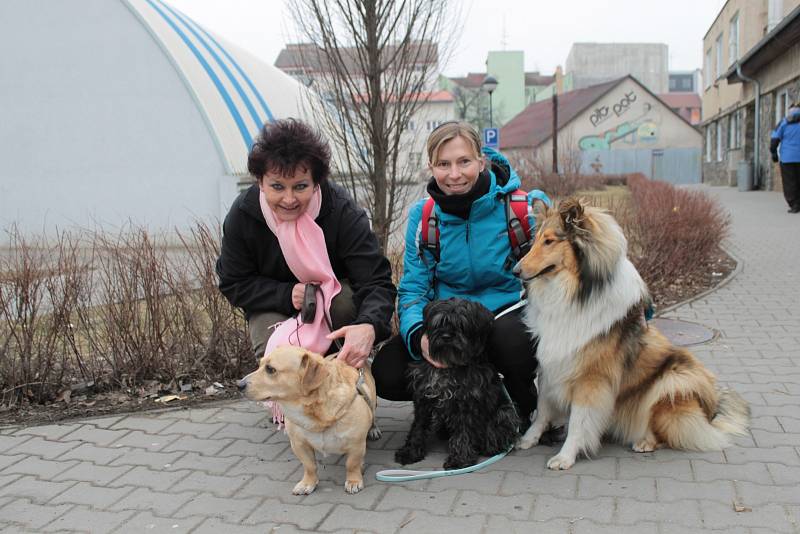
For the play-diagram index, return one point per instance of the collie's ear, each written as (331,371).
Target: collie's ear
(571,212)
(312,372)
(538,211)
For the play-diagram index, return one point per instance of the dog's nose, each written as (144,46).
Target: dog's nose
(241,384)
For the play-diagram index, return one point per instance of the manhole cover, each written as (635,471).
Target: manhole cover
(681,333)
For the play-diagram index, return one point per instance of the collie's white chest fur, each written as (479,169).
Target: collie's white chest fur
(565,325)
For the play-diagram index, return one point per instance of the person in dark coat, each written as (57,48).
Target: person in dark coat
(785,147)
(325,240)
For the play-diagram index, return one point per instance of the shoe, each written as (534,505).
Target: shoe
(794,210)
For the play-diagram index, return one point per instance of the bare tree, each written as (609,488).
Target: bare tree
(471,105)
(374,61)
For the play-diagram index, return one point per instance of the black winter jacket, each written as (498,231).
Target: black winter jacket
(254,276)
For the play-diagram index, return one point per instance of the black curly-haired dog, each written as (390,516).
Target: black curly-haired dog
(465,400)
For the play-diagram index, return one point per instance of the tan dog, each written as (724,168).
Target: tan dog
(326,405)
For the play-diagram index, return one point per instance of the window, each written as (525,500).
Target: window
(718,70)
(709,75)
(733,40)
(412,125)
(673,84)
(686,83)
(708,143)
(781,105)
(720,145)
(734,129)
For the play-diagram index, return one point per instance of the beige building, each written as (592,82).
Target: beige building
(758,38)
(612,128)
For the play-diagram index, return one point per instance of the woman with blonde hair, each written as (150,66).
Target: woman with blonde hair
(470,187)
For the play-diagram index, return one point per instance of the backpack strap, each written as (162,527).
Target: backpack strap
(519,228)
(429,227)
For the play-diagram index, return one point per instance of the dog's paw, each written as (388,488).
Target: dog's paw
(560,462)
(529,438)
(645,445)
(305,487)
(459,463)
(353,486)
(374,433)
(408,455)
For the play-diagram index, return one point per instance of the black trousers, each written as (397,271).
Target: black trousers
(513,353)
(790,174)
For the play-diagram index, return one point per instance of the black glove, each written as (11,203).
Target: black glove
(775,158)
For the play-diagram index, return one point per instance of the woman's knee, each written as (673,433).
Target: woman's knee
(343,309)
(260,327)
(511,344)
(389,370)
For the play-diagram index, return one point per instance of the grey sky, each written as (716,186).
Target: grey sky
(544,30)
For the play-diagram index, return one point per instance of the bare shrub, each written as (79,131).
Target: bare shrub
(225,347)
(116,311)
(672,232)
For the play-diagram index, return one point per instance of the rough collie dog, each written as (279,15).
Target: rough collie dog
(463,398)
(600,363)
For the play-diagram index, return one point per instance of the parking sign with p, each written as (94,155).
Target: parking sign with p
(491,137)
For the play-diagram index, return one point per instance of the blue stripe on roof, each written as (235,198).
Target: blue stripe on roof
(245,99)
(250,84)
(248,140)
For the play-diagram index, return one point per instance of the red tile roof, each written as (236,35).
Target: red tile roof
(534,78)
(534,124)
(681,100)
(471,80)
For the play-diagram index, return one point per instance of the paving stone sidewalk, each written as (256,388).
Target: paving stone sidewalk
(226,469)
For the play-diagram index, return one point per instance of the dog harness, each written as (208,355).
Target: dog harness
(517,225)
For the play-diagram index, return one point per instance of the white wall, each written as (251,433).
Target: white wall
(97,125)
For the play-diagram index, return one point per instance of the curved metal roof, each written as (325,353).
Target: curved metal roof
(236,91)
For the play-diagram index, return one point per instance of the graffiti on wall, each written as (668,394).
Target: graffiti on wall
(643,128)
(601,113)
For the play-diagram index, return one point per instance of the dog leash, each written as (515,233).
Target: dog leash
(407,475)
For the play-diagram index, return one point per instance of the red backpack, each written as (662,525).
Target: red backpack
(517,224)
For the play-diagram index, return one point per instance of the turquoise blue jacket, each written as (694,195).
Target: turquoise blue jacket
(473,255)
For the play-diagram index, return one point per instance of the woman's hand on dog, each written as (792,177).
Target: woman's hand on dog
(358,341)
(425,349)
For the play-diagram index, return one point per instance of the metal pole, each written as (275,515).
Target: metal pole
(491,122)
(555,133)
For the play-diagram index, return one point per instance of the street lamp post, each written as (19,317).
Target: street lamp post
(490,84)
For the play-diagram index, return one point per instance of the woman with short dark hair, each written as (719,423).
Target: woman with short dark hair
(293,230)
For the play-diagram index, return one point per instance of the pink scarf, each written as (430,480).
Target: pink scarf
(303,246)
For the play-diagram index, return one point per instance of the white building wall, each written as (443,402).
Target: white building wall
(98,128)
(594,63)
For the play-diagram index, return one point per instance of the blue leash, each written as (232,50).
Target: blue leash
(407,475)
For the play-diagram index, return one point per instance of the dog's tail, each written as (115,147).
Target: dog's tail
(733,413)
(690,427)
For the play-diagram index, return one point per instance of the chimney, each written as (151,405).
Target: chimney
(774,13)
(559,76)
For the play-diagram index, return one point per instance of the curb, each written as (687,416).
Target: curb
(720,285)
(143,413)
